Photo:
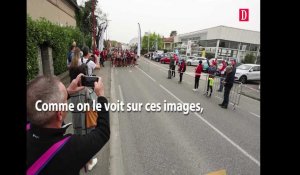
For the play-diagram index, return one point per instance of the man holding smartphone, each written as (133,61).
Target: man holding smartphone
(46,129)
(86,60)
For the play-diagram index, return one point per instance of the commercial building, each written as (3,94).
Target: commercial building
(222,41)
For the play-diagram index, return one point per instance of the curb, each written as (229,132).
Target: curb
(249,96)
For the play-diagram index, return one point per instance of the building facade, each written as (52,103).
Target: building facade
(61,12)
(168,43)
(222,41)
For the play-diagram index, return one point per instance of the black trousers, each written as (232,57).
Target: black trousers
(173,71)
(197,82)
(226,95)
(180,76)
(102,62)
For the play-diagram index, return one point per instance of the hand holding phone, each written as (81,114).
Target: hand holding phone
(89,80)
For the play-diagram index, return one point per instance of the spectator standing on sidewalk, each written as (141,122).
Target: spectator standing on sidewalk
(211,72)
(228,83)
(211,84)
(102,55)
(70,55)
(46,129)
(222,71)
(198,72)
(86,59)
(181,70)
(172,66)
(79,118)
(74,68)
(215,62)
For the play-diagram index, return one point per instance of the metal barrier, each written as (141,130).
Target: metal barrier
(235,92)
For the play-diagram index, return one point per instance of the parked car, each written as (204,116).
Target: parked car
(189,60)
(194,61)
(158,57)
(166,59)
(183,57)
(205,66)
(247,72)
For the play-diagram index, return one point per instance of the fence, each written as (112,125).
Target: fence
(237,90)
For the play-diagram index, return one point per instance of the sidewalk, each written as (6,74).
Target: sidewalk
(102,166)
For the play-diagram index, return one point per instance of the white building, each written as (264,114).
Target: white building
(223,41)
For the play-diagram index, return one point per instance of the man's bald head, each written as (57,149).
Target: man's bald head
(49,89)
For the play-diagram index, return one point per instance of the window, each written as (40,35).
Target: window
(244,67)
(234,45)
(222,44)
(244,46)
(211,43)
(225,44)
(202,43)
(256,68)
(253,47)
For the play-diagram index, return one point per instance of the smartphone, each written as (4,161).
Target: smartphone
(88,80)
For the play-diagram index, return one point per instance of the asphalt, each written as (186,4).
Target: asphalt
(171,142)
(174,143)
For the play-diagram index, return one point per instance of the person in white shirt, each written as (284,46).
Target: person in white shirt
(91,64)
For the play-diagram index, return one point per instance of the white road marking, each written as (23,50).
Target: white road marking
(121,94)
(254,114)
(170,93)
(209,124)
(218,131)
(146,74)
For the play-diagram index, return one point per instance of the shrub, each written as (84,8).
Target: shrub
(59,38)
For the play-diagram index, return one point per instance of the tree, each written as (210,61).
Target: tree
(173,33)
(249,58)
(258,60)
(84,17)
(153,38)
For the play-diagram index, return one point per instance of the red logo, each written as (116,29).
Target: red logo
(244,15)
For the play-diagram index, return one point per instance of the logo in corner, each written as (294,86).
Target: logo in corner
(244,15)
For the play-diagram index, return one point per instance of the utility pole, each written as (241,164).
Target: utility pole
(148,41)
(94,31)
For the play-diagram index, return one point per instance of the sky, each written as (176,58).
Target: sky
(163,16)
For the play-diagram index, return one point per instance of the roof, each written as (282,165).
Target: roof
(197,31)
(74,3)
(170,39)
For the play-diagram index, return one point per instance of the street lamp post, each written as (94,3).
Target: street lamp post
(94,31)
(148,41)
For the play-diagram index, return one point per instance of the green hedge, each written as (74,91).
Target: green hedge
(58,38)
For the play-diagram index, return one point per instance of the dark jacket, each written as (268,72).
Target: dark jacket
(75,153)
(230,78)
(73,72)
(211,70)
(172,63)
